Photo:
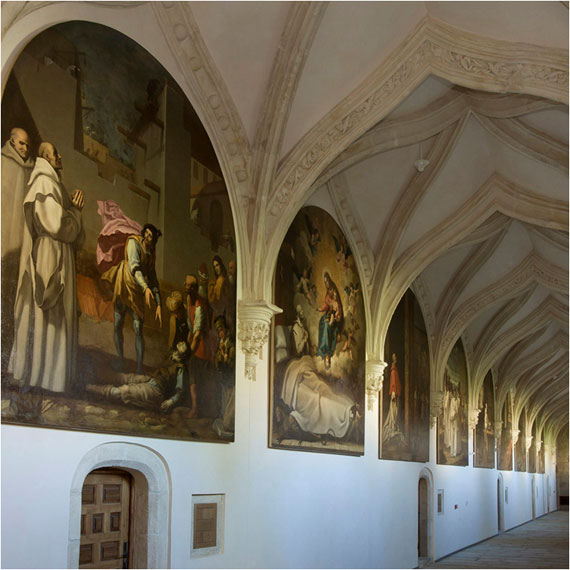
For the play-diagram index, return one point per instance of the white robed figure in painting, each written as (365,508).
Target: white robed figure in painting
(45,312)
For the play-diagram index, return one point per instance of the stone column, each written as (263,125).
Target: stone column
(254,319)
(498,429)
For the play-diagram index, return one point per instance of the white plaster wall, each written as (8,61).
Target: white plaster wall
(283,509)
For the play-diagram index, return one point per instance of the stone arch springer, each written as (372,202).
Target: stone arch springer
(144,464)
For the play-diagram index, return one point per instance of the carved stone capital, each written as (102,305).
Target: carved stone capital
(435,404)
(473,417)
(374,379)
(539,445)
(498,429)
(528,442)
(515,435)
(254,318)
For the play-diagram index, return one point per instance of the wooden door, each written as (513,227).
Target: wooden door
(422,518)
(105,518)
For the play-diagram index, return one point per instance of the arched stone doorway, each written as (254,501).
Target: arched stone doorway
(500,504)
(533,491)
(425,517)
(151,518)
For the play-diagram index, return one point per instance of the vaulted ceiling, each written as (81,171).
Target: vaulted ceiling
(333,103)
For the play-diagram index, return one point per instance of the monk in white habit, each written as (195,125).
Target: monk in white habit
(16,169)
(45,312)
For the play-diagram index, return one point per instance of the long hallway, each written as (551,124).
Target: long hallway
(541,543)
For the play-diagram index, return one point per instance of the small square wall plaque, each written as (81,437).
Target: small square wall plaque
(207,525)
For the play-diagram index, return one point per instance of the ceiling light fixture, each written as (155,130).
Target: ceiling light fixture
(421,163)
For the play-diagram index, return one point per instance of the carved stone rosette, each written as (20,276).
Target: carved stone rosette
(515,435)
(473,418)
(498,429)
(435,404)
(374,379)
(254,318)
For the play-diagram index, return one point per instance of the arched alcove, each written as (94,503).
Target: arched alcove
(426,486)
(152,489)
(500,504)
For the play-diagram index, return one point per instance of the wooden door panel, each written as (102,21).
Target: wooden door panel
(104,519)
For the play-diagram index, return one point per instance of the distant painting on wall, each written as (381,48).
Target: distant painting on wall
(118,247)
(404,421)
(317,384)
(505,448)
(520,446)
(452,422)
(532,451)
(484,430)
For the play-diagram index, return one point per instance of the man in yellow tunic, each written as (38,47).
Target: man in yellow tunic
(135,285)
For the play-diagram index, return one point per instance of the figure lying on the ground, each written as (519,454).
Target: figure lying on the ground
(162,390)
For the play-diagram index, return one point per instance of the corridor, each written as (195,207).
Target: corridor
(541,543)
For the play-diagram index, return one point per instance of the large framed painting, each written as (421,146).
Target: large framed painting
(520,445)
(404,414)
(118,246)
(318,369)
(505,447)
(452,422)
(484,430)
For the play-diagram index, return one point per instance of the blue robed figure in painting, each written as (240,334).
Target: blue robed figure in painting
(331,322)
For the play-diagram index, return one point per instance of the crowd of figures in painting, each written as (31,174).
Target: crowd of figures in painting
(118,297)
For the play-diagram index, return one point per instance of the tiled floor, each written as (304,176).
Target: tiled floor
(541,543)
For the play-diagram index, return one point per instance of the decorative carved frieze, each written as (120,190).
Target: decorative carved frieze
(374,380)
(473,417)
(254,319)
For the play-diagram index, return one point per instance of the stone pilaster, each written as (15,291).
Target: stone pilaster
(254,319)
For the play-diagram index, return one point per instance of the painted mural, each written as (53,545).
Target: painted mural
(484,430)
(452,422)
(118,247)
(404,421)
(520,445)
(317,385)
(505,443)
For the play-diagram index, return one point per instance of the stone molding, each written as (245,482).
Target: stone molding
(548,311)
(432,119)
(421,290)
(254,320)
(530,270)
(374,380)
(433,47)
